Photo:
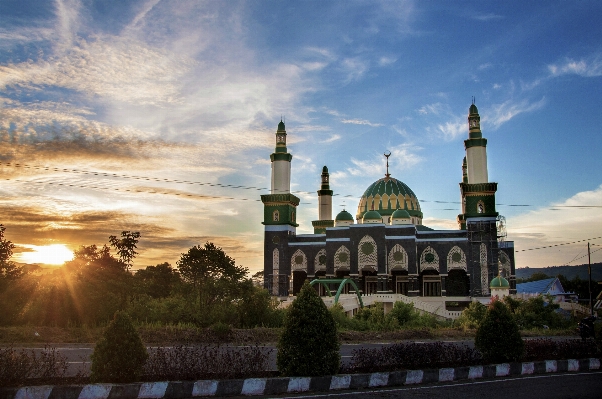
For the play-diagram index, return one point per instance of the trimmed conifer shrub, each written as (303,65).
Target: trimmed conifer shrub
(498,337)
(309,344)
(120,355)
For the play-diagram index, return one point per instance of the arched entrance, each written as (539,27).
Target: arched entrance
(299,277)
(401,281)
(457,283)
(369,280)
(430,283)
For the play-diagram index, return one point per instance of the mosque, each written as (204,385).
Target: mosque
(385,248)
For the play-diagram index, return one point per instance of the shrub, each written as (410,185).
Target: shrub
(309,345)
(119,355)
(17,367)
(472,316)
(498,337)
(412,356)
(546,349)
(207,361)
(404,313)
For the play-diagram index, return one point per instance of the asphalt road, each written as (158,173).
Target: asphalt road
(550,386)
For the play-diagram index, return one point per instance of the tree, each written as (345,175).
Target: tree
(498,337)
(309,344)
(126,247)
(120,355)
(213,274)
(157,281)
(8,269)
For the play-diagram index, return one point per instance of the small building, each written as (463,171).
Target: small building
(549,286)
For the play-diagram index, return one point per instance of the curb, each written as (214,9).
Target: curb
(283,385)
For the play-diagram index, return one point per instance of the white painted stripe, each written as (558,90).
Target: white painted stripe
(204,388)
(311,235)
(338,239)
(152,390)
(414,377)
(378,380)
(298,384)
(502,370)
(400,238)
(293,244)
(340,382)
(447,374)
(95,391)
(475,372)
(594,364)
(528,368)
(41,392)
(253,386)
(551,366)
(573,365)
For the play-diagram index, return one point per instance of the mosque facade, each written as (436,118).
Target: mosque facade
(385,248)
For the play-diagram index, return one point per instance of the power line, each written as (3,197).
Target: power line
(240,187)
(558,245)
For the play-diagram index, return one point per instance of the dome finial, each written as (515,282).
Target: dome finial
(387,175)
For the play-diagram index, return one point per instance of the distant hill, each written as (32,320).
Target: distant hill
(570,272)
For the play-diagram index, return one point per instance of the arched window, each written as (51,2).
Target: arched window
(366,253)
(429,260)
(299,261)
(480,207)
(320,261)
(398,258)
(275,271)
(456,259)
(341,258)
(276,216)
(484,271)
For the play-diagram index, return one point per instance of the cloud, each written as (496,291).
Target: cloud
(485,17)
(403,157)
(452,129)
(571,221)
(360,122)
(501,113)
(385,61)
(485,66)
(354,68)
(332,138)
(443,224)
(587,68)
(434,109)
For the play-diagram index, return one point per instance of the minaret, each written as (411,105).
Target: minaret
(478,216)
(279,219)
(281,163)
(324,205)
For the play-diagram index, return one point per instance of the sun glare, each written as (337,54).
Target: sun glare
(55,254)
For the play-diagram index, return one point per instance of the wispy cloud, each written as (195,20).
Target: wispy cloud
(403,157)
(485,17)
(332,138)
(502,113)
(591,67)
(360,122)
(452,129)
(384,61)
(434,109)
(354,68)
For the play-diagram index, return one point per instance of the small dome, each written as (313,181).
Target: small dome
(324,169)
(400,214)
(373,217)
(344,215)
(473,109)
(499,282)
(281,126)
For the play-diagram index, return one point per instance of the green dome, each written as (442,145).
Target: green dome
(344,215)
(400,214)
(386,195)
(499,282)
(473,109)
(372,215)
(281,126)
(324,169)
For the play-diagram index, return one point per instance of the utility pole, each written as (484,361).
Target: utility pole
(589,272)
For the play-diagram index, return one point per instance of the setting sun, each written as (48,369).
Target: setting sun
(55,254)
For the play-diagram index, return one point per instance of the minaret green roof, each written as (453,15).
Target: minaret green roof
(324,169)
(499,282)
(281,125)
(473,109)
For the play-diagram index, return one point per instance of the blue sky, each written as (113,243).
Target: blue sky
(118,107)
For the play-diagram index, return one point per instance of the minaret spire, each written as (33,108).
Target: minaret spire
(387,175)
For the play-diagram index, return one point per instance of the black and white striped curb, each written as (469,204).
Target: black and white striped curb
(282,385)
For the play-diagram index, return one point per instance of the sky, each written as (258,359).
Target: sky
(160,116)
